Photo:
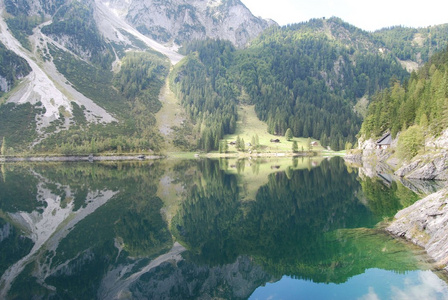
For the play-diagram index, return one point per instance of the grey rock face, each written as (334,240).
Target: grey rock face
(190,281)
(427,171)
(406,169)
(425,223)
(430,167)
(178,21)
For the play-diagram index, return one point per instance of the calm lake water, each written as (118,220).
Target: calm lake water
(207,229)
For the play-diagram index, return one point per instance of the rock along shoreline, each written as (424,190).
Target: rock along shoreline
(425,223)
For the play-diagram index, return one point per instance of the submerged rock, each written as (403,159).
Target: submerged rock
(425,223)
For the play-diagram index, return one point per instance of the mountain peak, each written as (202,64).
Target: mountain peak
(177,21)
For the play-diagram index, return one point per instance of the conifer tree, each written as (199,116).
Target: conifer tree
(3,149)
(238,143)
(295,147)
(288,135)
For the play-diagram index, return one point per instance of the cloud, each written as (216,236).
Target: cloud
(429,286)
(371,295)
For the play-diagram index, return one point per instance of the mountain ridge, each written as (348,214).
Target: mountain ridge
(80,47)
(175,22)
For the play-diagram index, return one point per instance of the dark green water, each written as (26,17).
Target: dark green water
(205,229)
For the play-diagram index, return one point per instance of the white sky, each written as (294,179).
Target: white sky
(368,15)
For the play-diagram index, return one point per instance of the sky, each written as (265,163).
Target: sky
(368,15)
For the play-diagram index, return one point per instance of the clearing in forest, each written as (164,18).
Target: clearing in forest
(169,117)
(249,126)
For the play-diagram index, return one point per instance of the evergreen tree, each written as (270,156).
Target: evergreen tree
(410,142)
(288,135)
(3,148)
(420,102)
(295,147)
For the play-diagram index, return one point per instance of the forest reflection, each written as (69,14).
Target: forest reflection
(185,229)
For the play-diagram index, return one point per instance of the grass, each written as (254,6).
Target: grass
(173,124)
(254,173)
(249,126)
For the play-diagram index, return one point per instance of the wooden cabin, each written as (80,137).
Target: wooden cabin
(384,142)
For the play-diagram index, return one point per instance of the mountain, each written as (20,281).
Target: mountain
(85,76)
(178,21)
(78,55)
(12,69)
(306,77)
(413,46)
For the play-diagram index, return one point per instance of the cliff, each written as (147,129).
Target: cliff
(178,21)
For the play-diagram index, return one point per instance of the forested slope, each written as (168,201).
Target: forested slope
(204,83)
(414,44)
(417,108)
(12,68)
(306,77)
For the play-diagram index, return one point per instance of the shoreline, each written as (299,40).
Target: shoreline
(424,223)
(142,157)
(80,158)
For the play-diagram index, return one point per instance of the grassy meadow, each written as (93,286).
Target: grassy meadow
(249,126)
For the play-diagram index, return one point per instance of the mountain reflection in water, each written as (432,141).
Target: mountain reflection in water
(196,229)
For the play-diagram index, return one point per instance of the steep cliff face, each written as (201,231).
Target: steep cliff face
(178,21)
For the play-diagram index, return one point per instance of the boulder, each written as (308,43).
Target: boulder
(406,169)
(425,172)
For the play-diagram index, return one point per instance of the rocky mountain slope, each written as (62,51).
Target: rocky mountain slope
(52,39)
(179,21)
(72,53)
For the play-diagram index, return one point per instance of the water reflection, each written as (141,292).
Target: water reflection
(192,229)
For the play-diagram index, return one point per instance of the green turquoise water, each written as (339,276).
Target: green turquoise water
(206,229)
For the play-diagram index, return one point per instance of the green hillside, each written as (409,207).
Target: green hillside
(414,44)
(306,77)
(417,108)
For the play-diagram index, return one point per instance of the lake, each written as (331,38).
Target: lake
(302,228)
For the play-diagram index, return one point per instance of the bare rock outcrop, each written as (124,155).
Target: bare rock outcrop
(179,21)
(432,166)
(425,223)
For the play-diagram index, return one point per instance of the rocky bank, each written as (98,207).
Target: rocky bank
(425,223)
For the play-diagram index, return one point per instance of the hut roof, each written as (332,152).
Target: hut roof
(385,139)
